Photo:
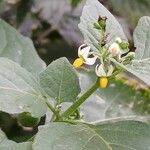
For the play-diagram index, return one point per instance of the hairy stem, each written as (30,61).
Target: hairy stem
(80,101)
(55,112)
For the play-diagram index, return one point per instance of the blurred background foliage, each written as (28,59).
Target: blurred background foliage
(53,24)
(53,27)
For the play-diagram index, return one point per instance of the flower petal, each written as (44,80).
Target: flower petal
(100,72)
(110,70)
(114,49)
(118,40)
(91,61)
(83,51)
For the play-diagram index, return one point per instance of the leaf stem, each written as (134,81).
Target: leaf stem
(55,112)
(80,101)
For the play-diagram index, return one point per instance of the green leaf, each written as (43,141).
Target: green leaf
(117,135)
(142,37)
(19,90)
(141,69)
(91,12)
(60,81)
(26,120)
(19,49)
(140,66)
(68,137)
(117,100)
(6,144)
(125,135)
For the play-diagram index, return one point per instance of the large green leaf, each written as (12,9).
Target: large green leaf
(141,69)
(119,135)
(125,135)
(19,90)
(91,12)
(6,144)
(19,49)
(56,136)
(142,37)
(117,100)
(140,66)
(60,81)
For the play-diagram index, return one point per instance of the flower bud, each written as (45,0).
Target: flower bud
(124,45)
(128,58)
(102,22)
(97,26)
(114,49)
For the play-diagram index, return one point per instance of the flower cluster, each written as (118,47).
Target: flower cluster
(105,68)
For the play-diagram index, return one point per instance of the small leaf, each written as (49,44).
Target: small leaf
(60,81)
(117,135)
(19,90)
(142,37)
(6,144)
(19,49)
(91,12)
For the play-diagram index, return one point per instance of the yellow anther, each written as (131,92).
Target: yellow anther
(78,63)
(103,81)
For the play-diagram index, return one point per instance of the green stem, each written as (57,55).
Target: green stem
(79,101)
(55,112)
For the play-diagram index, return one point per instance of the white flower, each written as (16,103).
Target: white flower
(114,49)
(100,71)
(84,57)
